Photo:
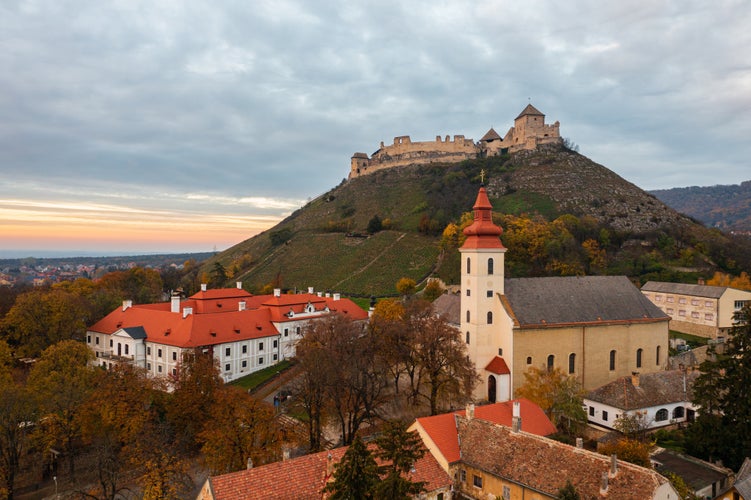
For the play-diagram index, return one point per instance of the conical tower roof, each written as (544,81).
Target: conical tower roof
(491,135)
(529,110)
(482,233)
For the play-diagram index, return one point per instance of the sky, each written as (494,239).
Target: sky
(187,126)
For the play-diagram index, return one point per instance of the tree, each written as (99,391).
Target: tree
(723,393)
(446,372)
(433,290)
(41,318)
(557,394)
(406,286)
(375,224)
(218,275)
(63,380)
(355,476)
(399,449)
(143,286)
(568,492)
(629,450)
(239,428)
(633,425)
(17,415)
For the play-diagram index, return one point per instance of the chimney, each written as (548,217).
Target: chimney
(241,305)
(470,413)
(239,285)
(187,311)
(635,379)
(249,463)
(277,292)
(175,301)
(203,287)
(516,419)
(329,465)
(604,484)
(579,443)
(320,294)
(328,295)
(337,296)
(127,304)
(311,290)
(285,453)
(613,465)
(700,281)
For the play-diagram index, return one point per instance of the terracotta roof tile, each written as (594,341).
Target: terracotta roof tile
(304,477)
(498,366)
(442,428)
(545,465)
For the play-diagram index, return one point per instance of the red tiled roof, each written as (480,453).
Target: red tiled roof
(442,428)
(303,478)
(217,318)
(498,366)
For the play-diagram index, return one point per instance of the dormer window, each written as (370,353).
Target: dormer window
(291,313)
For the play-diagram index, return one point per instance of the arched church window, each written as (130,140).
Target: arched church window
(490,265)
(612,360)
(678,412)
(467,316)
(529,360)
(468,265)
(467,337)
(572,362)
(657,355)
(492,388)
(551,362)
(490,318)
(638,358)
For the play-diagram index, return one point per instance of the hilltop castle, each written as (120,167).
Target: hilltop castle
(528,132)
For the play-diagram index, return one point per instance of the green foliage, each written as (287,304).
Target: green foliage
(281,236)
(432,290)
(399,449)
(723,428)
(683,490)
(355,476)
(568,492)
(558,395)
(374,224)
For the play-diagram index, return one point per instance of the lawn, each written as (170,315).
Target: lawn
(255,379)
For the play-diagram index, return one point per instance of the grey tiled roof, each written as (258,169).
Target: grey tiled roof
(711,292)
(448,305)
(698,474)
(538,302)
(655,389)
(135,332)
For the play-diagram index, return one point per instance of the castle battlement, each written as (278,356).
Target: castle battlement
(528,132)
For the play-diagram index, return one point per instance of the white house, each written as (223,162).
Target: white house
(243,332)
(661,398)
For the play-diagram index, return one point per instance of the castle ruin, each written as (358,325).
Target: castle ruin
(528,132)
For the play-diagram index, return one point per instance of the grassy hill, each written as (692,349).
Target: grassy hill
(325,244)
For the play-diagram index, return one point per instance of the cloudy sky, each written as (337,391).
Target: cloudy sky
(158,126)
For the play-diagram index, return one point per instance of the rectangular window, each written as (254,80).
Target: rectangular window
(159,368)
(226,367)
(286,332)
(506,493)
(174,371)
(669,299)
(708,303)
(111,344)
(490,294)
(591,411)
(276,357)
(604,415)
(500,351)
(709,316)
(297,330)
(695,315)
(174,355)
(682,312)
(227,351)
(739,304)
(682,300)
(658,298)
(245,363)
(669,310)
(148,351)
(260,346)
(260,361)
(245,349)
(468,293)
(275,344)
(694,302)
(158,353)
(148,366)
(476,481)
(463,475)
(96,340)
(88,339)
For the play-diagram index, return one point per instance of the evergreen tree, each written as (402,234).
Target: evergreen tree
(723,393)
(399,449)
(568,492)
(356,476)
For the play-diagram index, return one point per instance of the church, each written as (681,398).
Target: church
(596,328)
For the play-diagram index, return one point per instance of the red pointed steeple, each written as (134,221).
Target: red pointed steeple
(482,233)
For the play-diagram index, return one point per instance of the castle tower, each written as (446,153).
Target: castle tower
(482,274)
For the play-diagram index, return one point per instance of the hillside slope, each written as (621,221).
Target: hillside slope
(725,207)
(325,243)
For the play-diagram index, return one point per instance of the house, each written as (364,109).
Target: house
(441,436)
(703,479)
(502,462)
(741,489)
(660,398)
(596,328)
(701,310)
(243,332)
(305,477)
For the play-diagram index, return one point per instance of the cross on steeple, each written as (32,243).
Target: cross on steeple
(482,176)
